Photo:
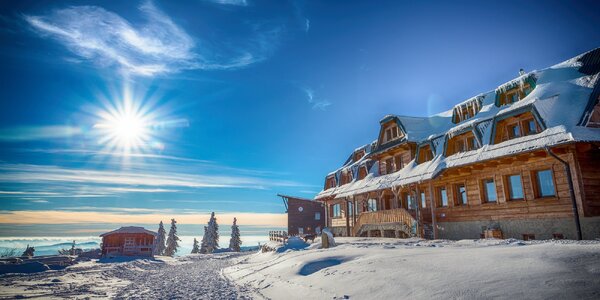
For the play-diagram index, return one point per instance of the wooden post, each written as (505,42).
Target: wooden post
(347,216)
(418,214)
(433,220)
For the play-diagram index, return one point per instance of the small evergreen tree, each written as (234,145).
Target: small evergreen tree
(172,240)
(212,240)
(195,247)
(160,240)
(204,244)
(29,251)
(235,242)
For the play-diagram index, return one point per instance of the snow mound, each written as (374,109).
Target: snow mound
(24,268)
(293,243)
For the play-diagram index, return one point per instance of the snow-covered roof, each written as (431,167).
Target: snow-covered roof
(561,97)
(130,229)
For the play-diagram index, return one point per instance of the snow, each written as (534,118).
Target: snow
(376,268)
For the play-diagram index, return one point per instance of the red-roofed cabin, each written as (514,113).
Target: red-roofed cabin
(128,241)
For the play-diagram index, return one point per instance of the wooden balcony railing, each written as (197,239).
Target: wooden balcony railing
(396,215)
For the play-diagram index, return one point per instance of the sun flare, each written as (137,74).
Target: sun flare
(124,127)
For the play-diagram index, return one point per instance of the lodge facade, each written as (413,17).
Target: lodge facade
(128,241)
(521,161)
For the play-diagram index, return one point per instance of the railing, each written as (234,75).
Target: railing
(397,215)
(280,236)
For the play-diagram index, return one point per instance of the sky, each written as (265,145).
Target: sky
(132,112)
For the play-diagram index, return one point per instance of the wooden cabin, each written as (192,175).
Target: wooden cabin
(128,241)
(305,216)
(521,161)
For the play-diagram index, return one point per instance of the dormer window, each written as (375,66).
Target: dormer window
(330,182)
(467,109)
(346,177)
(517,126)
(461,143)
(391,133)
(358,155)
(425,154)
(362,172)
(515,90)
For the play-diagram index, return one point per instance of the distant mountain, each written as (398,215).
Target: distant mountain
(53,249)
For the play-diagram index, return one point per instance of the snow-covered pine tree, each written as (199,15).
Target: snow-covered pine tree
(235,242)
(172,240)
(212,240)
(160,240)
(203,244)
(195,248)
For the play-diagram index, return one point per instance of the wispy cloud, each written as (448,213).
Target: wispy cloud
(317,103)
(27,173)
(230,2)
(157,46)
(31,133)
(151,217)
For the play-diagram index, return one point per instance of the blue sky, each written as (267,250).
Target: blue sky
(238,100)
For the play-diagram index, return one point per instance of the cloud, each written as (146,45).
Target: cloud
(157,46)
(117,180)
(152,217)
(320,104)
(31,133)
(230,2)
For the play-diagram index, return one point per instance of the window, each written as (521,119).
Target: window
(489,190)
(514,97)
(425,154)
(460,146)
(317,216)
(443,197)
(471,143)
(558,236)
(388,135)
(389,167)
(329,182)
(409,201)
(545,183)
(350,209)
(423,202)
(515,187)
(394,132)
(362,172)
(129,242)
(337,211)
(399,163)
(530,127)
(461,194)
(391,133)
(372,204)
(514,131)
(300,230)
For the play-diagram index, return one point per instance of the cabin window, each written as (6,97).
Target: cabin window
(372,205)
(443,197)
(350,209)
(423,202)
(425,154)
(461,194)
(529,127)
(489,190)
(300,230)
(409,201)
(471,143)
(362,173)
(399,163)
(515,187)
(544,183)
(389,167)
(558,236)
(391,133)
(337,210)
(514,131)
(129,242)
(329,182)
(317,216)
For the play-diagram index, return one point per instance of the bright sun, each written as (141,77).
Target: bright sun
(124,127)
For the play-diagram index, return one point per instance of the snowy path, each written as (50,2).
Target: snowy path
(190,277)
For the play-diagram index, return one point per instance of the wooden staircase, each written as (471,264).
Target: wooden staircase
(396,215)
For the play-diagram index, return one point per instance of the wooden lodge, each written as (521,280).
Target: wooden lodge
(305,216)
(128,241)
(521,161)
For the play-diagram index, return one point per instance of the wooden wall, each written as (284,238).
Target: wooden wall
(588,158)
(305,217)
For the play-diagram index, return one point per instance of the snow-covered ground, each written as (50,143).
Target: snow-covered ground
(361,268)
(358,268)
(188,277)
